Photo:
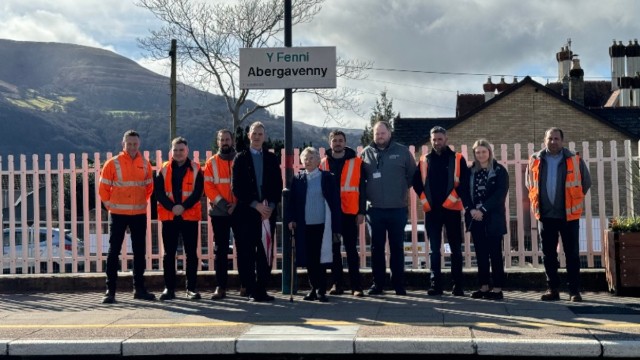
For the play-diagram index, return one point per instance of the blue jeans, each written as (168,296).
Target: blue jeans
(391,222)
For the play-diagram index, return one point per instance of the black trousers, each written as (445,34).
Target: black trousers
(570,231)
(222,238)
(170,234)
(451,220)
(315,270)
(137,224)
(253,267)
(488,254)
(350,241)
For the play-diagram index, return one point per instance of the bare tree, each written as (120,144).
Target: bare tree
(209,38)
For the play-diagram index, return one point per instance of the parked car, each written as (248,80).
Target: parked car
(58,249)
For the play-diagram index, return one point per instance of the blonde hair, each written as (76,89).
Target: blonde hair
(476,164)
(310,151)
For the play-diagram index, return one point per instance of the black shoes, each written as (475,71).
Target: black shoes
(311,296)
(220,293)
(167,295)
(479,294)
(550,295)
(457,291)
(323,298)
(374,290)
(336,290)
(434,291)
(575,297)
(401,292)
(109,298)
(261,298)
(193,295)
(143,294)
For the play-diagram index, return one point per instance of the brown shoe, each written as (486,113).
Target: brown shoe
(220,293)
(336,290)
(550,295)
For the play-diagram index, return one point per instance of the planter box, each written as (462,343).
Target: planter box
(622,262)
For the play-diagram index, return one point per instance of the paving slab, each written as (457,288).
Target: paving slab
(65,347)
(178,346)
(80,333)
(535,341)
(450,346)
(297,340)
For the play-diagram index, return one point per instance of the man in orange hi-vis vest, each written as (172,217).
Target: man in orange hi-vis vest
(217,187)
(178,188)
(558,180)
(126,184)
(442,183)
(346,167)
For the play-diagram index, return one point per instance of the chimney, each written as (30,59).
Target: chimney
(489,90)
(576,82)
(635,91)
(633,58)
(502,85)
(625,91)
(617,54)
(564,62)
(515,80)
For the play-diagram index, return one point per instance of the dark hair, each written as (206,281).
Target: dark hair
(223,131)
(337,132)
(438,129)
(179,140)
(130,133)
(552,129)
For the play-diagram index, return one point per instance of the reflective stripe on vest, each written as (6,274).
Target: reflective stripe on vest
(191,214)
(453,201)
(349,184)
(573,195)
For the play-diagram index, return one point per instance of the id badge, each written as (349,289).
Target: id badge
(377,175)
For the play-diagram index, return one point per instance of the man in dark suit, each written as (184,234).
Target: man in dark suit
(257,184)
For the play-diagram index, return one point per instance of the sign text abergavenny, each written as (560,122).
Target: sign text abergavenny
(288,68)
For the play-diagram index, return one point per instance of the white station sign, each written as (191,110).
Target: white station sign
(288,68)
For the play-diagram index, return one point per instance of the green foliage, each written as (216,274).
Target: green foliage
(382,111)
(625,224)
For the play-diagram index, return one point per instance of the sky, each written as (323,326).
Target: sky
(424,52)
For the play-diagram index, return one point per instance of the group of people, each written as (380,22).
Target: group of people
(329,199)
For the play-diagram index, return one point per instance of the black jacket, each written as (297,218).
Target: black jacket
(493,209)
(244,184)
(296,209)
(438,170)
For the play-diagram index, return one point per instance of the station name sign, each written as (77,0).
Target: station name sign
(288,68)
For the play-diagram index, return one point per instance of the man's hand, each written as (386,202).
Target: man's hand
(292,226)
(264,210)
(359,219)
(476,215)
(230,208)
(177,210)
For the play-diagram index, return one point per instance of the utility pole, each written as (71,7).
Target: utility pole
(288,269)
(172,118)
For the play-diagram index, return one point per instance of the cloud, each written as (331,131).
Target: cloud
(449,46)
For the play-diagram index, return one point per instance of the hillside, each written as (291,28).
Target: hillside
(63,98)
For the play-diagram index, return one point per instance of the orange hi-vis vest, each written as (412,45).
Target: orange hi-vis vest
(188,185)
(453,201)
(573,195)
(349,184)
(126,184)
(217,180)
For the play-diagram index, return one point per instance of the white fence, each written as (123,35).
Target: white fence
(66,232)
